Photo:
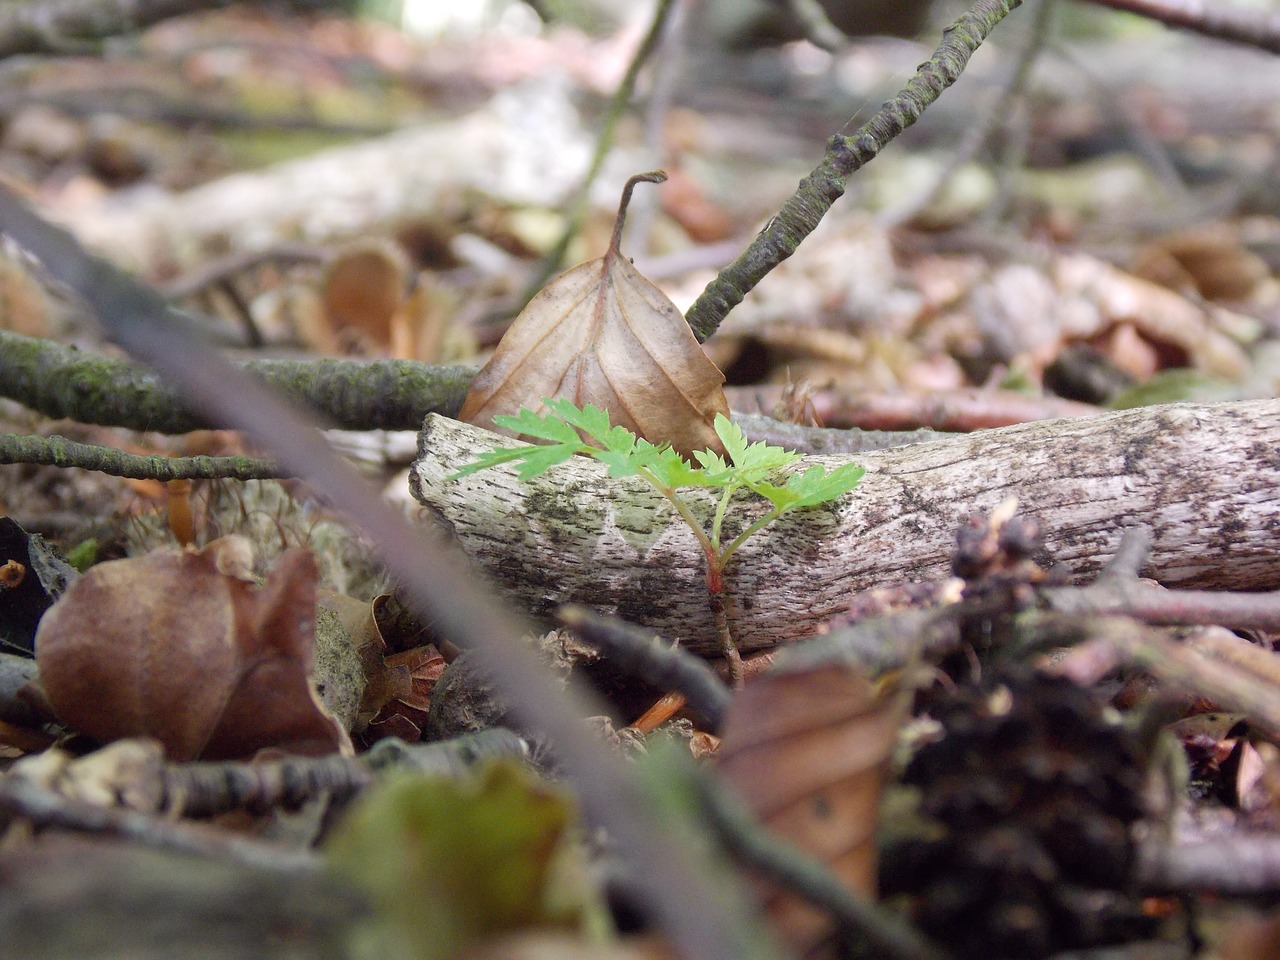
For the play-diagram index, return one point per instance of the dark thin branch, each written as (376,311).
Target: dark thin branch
(60,381)
(206,789)
(642,654)
(801,213)
(60,452)
(980,134)
(676,888)
(1254,28)
(45,808)
(804,875)
(56,26)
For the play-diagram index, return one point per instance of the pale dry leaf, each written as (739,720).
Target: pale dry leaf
(363,288)
(809,751)
(601,333)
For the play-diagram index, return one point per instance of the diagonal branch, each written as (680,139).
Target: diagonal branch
(675,887)
(801,213)
(1255,28)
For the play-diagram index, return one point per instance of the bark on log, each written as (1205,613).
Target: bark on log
(1204,477)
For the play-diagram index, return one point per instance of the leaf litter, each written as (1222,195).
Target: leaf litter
(999,317)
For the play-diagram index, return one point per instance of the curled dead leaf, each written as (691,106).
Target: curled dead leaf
(175,646)
(809,751)
(364,286)
(601,333)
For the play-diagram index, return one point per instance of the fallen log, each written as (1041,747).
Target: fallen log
(1204,477)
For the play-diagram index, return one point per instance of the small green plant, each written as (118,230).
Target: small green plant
(567,430)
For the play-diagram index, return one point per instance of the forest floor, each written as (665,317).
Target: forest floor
(1006,738)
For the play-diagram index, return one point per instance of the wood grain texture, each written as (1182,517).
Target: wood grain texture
(1204,477)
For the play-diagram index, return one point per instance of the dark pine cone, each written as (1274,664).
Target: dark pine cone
(1037,788)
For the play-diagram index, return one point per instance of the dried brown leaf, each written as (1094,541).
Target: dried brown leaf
(363,287)
(168,645)
(601,333)
(809,751)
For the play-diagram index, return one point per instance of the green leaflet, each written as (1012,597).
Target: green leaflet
(566,430)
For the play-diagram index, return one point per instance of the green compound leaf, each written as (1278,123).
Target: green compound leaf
(563,426)
(751,459)
(539,426)
(809,489)
(672,470)
(534,460)
(816,486)
(592,421)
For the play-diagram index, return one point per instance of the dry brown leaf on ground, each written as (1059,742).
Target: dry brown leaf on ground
(601,333)
(1211,260)
(809,752)
(182,647)
(363,288)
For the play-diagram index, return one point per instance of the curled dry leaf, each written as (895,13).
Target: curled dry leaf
(601,333)
(177,646)
(809,751)
(364,286)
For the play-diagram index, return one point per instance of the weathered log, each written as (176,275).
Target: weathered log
(1204,477)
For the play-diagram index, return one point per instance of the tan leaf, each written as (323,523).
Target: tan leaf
(363,287)
(168,645)
(601,333)
(809,751)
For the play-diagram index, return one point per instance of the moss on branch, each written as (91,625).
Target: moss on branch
(63,382)
(60,452)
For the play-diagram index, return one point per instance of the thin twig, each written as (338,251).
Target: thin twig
(802,212)
(220,270)
(677,889)
(817,26)
(1255,28)
(807,877)
(1131,554)
(1158,606)
(978,135)
(58,451)
(1118,592)
(206,789)
(62,382)
(640,653)
(46,808)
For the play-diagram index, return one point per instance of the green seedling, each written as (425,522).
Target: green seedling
(566,430)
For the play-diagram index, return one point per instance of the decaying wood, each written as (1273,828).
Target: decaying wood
(1204,477)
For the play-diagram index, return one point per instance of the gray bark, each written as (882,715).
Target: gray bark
(1204,477)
